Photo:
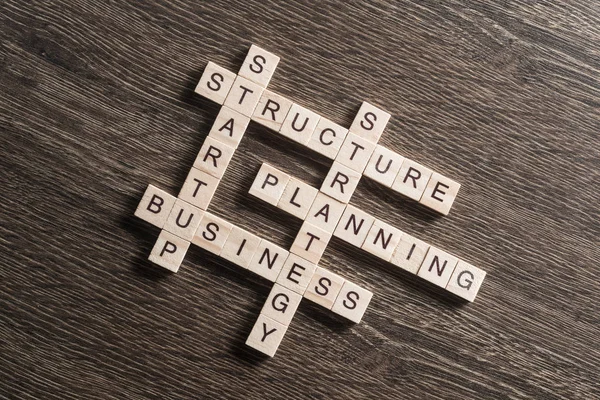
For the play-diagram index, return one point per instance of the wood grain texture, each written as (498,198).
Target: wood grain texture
(97,101)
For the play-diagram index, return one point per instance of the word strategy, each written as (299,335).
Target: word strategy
(184,219)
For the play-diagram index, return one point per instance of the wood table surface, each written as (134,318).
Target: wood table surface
(98,100)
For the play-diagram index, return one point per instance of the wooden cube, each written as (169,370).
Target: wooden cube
(243,96)
(281,305)
(259,66)
(184,220)
(340,182)
(229,127)
(271,110)
(199,188)
(382,239)
(240,247)
(268,260)
(327,138)
(352,302)
(325,212)
(355,152)
(354,226)
(437,267)
(412,179)
(324,287)
(169,251)
(383,166)
(269,184)
(214,157)
(370,122)
(466,281)
(310,243)
(297,198)
(299,124)
(410,253)
(296,273)
(440,193)
(215,83)
(212,233)
(155,206)
(266,335)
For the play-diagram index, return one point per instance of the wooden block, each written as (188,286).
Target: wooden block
(327,138)
(340,182)
(169,250)
(215,83)
(299,124)
(269,184)
(214,157)
(240,247)
(229,127)
(466,280)
(199,188)
(155,206)
(382,239)
(354,226)
(281,305)
(243,96)
(437,267)
(268,260)
(296,273)
(271,110)
(266,335)
(310,243)
(212,233)
(410,253)
(412,179)
(440,193)
(355,152)
(183,220)
(370,122)
(259,66)
(325,212)
(297,198)
(352,302)
(324,287)
(383,166)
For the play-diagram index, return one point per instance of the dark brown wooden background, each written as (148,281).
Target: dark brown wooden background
(97,101)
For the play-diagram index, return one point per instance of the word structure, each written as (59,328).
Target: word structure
(326,211)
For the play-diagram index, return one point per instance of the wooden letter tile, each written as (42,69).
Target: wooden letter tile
(214,157)
(354,226)
(240,247)
(437,267)
(155,206)
(440,193)
(325,212)
(352,302)
(269,184)
(327,138)
(410,253)
(169,250)
(183,220)
(465,281)
(412,179)
(199,188)
(383,166)
(281,305)
(355,152)
(229,127)
(297,198)
(271,110)
(215,83)
(310,242)
(299,124)
(370,122)
(243,96)
(340,182)
(266,335)
(259,66)
(324,287)
(268,260)
(296,273)
(212,233)
(382,239)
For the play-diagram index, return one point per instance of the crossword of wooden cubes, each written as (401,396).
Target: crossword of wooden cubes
(295,273)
